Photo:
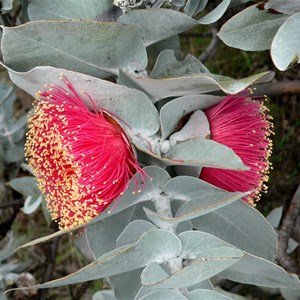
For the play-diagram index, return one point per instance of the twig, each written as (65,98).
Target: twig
(285,232)
(212,47)
(50,266)
(278,88)
(296,234)
(17,202)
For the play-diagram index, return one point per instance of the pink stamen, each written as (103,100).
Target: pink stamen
(242,124)
(83,160)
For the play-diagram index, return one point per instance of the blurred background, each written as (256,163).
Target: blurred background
(59,256)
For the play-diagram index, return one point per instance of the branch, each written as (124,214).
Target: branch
(285,233)
(17,202)
(278,88)
(212,47)
(50,258)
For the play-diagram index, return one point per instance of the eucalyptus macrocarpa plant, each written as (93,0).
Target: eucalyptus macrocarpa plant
(159,169)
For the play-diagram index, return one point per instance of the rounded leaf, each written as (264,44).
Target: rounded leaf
(131,106)
(190,274)
(163,295)
(153,246)
(67,9)
(158,89)
(285,49)
(206,294)
(251,29)
(287,7)
(94,48)
(158,24)
(258,271)
(238,224)
(133,232)
(172,112)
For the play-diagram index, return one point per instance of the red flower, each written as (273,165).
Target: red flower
(82,159)
(242,124)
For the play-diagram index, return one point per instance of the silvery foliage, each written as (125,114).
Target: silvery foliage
(170,235)
(270,25)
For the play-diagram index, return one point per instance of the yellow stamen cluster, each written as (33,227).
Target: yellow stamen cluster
(49,155)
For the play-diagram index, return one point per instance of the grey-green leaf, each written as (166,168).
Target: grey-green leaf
(258,271)
(133,232)
(31,204)
(251,29)
(274,216)
(238,224)
(101,236)
(193,7)
(126,285)
(285,51)
(94,48)
(172,43)
(187,188)
(205,294)
(7,5)
(158,89)
(202,285)
(197,244)
(25,185)
(14,154)
(104,295)
(131,106)
(287,7)
(167,66)
(154,185)
(190,274)
(290,294)
(215,14)
(206,153)
(164,295)
(67,9)
(13,127)
(204,203)
(156,245)
(172,112)
(6,95)
(144,290)
(158,24)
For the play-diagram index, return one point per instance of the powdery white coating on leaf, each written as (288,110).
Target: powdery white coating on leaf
(82,159)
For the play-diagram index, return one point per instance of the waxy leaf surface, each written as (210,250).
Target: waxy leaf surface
(251,29)
(158,89)
(206,294)
(285,49)
(153,187)
(126,285)
(101,236)
(67,9)
(131,106)
(258,271)
(153,246)
(172,112)
(94,48)
(163,295)
(287,7)
(238,224)
(190,274)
